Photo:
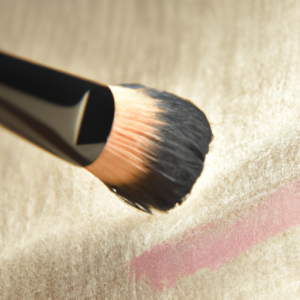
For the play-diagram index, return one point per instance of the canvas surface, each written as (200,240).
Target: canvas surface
(63,235)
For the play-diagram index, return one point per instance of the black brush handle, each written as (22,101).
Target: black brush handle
(33,93)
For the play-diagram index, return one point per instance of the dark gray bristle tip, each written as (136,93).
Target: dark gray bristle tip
(178,162)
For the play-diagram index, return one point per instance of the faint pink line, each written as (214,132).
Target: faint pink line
(212,245)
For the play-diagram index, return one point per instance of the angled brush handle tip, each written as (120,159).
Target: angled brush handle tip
(66,115)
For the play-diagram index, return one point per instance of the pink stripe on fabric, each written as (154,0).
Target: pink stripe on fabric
(212,245)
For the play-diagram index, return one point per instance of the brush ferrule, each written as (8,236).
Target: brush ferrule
(68,116)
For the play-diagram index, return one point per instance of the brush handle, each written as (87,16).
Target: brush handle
(66,115)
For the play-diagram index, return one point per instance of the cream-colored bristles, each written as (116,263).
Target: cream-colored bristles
(124,157)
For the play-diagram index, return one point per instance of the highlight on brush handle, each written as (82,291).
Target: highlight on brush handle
(66,115)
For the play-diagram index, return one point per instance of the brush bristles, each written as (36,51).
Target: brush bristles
(156,148)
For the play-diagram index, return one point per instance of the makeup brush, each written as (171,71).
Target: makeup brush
(147,146)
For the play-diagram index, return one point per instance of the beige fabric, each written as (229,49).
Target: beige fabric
(63,235)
